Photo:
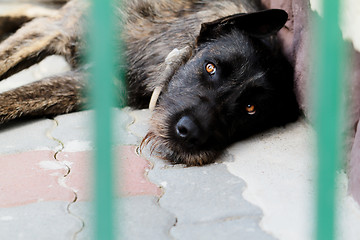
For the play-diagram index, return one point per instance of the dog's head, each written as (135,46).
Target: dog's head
(234,85)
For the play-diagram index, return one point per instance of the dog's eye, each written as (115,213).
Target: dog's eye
(210,68)
(250,109)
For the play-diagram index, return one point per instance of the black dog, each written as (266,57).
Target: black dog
(229,82)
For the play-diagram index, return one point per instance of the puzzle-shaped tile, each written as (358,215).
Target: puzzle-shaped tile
(31,177)
(138,218)
(133,172)
(211,193)
(206,197)
(278,168)
(40,221)
(229,229)
(75,130)
(140,127)
(130,173)
(26,135)
(138,206)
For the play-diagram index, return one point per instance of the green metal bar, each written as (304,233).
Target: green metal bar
(101,54)
(328,112)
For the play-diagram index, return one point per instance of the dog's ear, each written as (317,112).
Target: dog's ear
(258,24)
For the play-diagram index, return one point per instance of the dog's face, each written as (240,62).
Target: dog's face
(233,86)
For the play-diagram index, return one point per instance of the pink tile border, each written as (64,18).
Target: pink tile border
(36,176)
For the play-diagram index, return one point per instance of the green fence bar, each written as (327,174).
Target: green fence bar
(328,113)
(101,55)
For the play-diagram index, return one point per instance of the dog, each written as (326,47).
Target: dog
(213,71)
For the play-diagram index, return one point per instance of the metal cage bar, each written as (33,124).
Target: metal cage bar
(328,116)
(102,55)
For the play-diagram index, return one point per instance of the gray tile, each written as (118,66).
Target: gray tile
(140,127)
(122,122)
(207,201)
(139,217)
(201,194)
(75,130)
(230,229)
(26,135)
(74,126)
(40,221)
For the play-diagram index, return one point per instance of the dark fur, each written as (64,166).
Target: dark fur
(250,70)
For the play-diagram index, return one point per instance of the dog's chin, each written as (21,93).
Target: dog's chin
(175,153)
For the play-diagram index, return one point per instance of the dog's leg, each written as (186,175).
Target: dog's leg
(18,14)
(59,34)
(50,96)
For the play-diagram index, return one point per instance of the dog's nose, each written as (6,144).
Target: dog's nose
(188,130)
